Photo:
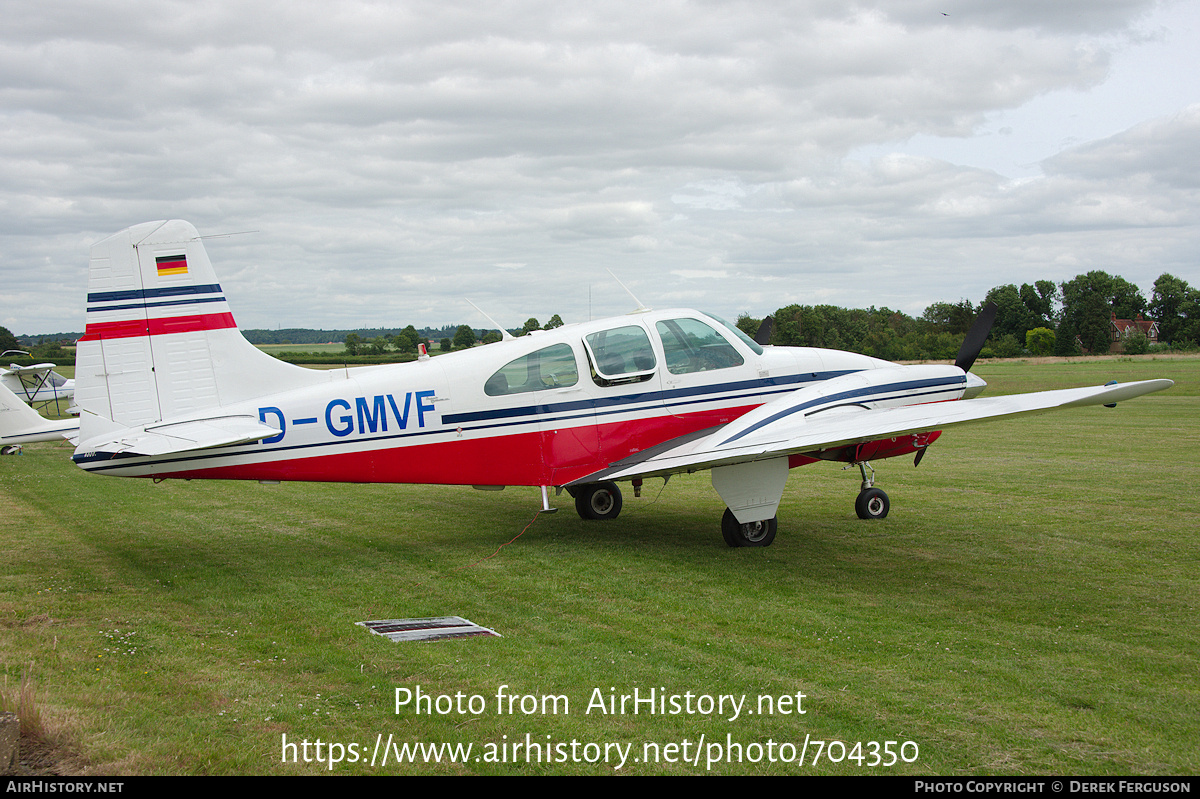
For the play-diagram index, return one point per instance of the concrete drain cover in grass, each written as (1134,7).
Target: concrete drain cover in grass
(426,629)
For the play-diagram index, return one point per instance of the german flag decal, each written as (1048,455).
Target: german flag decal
(171,265)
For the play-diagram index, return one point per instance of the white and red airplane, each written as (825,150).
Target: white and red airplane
(168,387)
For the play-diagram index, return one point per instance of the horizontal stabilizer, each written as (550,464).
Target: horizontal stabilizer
(797,434)
(164,439)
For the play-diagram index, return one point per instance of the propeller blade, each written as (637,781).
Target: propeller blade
(763,336)
(920,454)
(978,334)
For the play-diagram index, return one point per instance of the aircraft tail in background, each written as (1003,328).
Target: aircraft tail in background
(21,424)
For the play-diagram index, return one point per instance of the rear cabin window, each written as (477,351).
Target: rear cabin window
(690,346)
(551,367)
(621,355)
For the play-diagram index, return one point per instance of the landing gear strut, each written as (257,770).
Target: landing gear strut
(751,534)
(872,503)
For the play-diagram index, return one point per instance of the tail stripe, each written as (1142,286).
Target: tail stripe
(164,304)
(158,327)
(141,294)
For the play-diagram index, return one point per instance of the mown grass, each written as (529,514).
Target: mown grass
(1028,607)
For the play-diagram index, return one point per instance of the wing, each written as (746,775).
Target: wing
(814,419)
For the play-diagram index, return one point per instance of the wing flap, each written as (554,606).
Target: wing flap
(797,434)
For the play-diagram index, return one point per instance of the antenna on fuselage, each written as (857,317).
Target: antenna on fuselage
(504,334)
(640,308)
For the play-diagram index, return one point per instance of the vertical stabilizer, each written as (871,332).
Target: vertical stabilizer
(160,340)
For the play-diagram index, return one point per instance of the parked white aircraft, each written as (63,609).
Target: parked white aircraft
(21,424)
(169,388)
(37,384)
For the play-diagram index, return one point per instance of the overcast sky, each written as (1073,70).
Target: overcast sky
(392,158)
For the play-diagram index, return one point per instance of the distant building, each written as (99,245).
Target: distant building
(1121,329)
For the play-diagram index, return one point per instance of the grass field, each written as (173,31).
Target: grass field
(1029,607)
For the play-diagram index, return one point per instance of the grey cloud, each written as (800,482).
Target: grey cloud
(391,153)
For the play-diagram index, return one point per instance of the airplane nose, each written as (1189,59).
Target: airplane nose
(975,385)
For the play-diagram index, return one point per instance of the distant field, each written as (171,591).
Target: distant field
(1040,374)
(1029,607)
(336,347)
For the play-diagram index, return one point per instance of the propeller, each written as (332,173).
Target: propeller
(763,336)
(968,352)
(978,334)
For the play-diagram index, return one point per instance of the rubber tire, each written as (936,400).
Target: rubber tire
(598,501)
(872,504)
(754,534)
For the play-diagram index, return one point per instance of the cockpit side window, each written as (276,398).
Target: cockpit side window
(550,367)
(620,355)
(690,345)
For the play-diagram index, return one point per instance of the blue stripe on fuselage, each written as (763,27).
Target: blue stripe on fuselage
(694,395)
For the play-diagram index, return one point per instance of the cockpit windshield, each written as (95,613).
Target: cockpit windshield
(749,342)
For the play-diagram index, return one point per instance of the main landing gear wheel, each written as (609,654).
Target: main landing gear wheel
(751,534)
(872,503)
(598,501)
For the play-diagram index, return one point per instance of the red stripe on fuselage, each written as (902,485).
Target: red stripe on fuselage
(502,460)
(548,457)
(158,327)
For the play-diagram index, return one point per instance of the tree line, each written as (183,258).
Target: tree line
(464,337)
(1042,318)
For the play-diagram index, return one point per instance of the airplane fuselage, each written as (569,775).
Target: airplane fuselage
(544,409)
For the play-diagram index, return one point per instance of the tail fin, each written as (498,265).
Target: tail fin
(160,339)
(21,424)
